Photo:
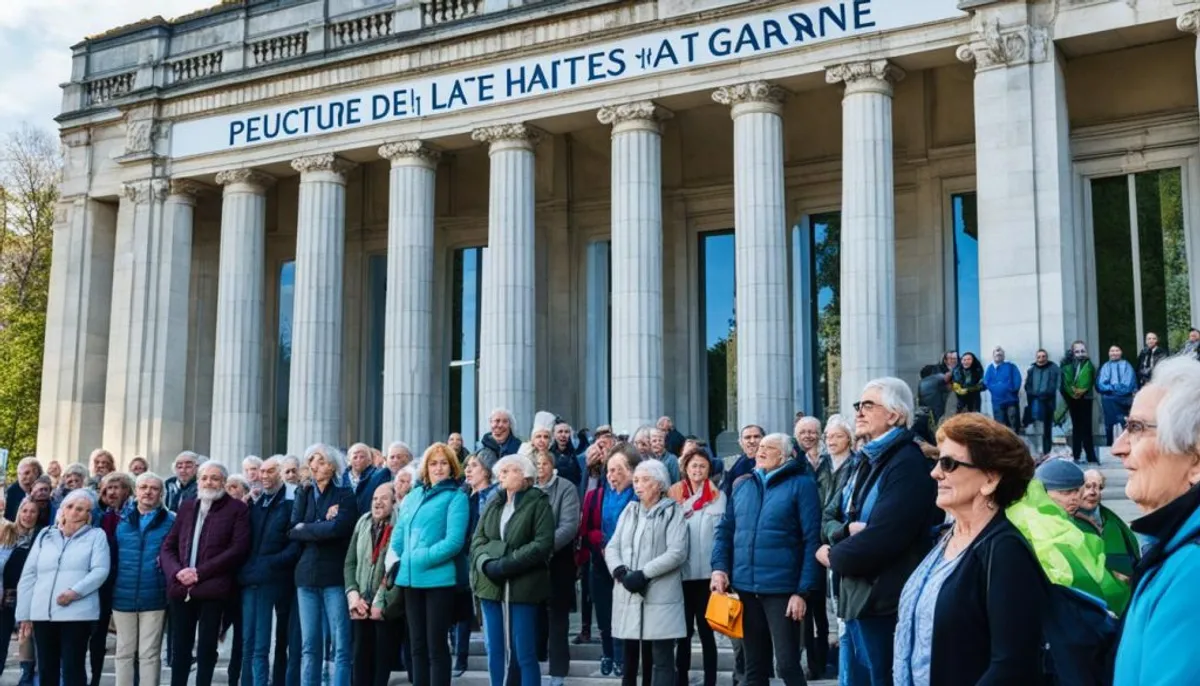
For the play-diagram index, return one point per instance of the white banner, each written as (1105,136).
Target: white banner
(629,58)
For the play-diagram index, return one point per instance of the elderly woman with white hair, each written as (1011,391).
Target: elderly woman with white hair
(510,556)
(765,550)
(323,519)
(646,555)
(885,530)
(58,597)
(1160,448)
(74,477)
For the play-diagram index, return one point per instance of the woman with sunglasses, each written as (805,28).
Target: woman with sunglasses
(970,612)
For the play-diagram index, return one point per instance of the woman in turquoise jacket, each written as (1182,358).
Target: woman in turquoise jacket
(430,532)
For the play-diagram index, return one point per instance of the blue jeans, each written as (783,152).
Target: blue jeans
(319,606)
(522,633)
(259,605)
(868,641)
(1116,410)
(1008,414)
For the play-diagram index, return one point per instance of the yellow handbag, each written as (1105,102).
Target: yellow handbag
(724,614)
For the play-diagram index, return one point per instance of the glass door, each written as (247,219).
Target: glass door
(1142,280)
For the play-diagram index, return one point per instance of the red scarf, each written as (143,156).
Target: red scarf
(384,538)
(707,494)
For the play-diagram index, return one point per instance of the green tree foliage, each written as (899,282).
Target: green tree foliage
(29,175)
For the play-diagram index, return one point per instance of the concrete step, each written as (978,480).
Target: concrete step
(583,668)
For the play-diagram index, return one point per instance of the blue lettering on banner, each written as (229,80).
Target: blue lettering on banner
(645,55)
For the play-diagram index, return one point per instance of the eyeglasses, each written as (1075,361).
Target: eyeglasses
(865,406)
(1134,428)
(949,464)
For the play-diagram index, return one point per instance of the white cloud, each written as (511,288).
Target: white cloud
(35,48)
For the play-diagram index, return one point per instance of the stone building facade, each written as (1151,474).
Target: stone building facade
(274,212)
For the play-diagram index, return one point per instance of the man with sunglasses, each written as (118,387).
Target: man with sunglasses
(890,515)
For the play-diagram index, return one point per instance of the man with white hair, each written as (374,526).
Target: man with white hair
(182,486)
(658,450)
(28,470)
(267,581)
(675,439)
(399,456)
(200,558)
(362,477)
(889,520)
(251,466)
(500,441)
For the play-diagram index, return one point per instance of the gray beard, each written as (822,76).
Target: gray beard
(208,496)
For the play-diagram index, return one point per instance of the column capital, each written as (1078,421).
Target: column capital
(643,115)
(187,190)
(871,76)
(257,181)
(325,163)
(754,96)
(145,191)
(993,48)
(1189,22)
(516,135)
(412,153)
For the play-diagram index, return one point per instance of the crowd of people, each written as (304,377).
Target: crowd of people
(883,545)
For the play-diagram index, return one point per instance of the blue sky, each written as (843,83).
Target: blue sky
(35,48)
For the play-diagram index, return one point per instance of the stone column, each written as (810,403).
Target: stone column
(237,413)
(637,262)
(764,342)
(1027,300)
(315,392)
(507,344)
(868,290)
(145,388)
(75,361)
(408,356)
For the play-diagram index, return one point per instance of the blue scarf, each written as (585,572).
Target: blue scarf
(614,505)
(876,448)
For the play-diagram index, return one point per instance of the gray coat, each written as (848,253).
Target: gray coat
(656,543)
(57,564)
(702,531)
(564,501)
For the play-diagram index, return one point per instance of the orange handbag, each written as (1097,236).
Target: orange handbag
(724,614)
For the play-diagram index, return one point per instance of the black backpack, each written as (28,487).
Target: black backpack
(1079,634)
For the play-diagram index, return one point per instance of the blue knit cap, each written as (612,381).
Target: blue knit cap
(1060,475)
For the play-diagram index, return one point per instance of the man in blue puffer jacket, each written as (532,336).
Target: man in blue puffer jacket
(1003,381)
(765,548)
(140,591)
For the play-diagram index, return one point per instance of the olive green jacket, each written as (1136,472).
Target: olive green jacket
(364,577)
(524,551)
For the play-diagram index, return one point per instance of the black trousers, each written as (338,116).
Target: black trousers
(374,649)
(554,625)
(585,597)
(657,657)
(196,624)
(774,635)
(695,604)
(429,618)
(816,634)
(233,621)
(1046,407)
(1082,439)
(61,647)
(97,642)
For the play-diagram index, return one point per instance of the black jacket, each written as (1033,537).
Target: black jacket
(373,478)
(1147,360)
(875,563)
(324,542)
(273,554)
(566,462)
(989,632)
(13,495)
(174,494)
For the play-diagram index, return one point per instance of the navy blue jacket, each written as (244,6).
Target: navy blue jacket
(567,462)
(371,479)
(273,554)
(901,524)
(13,495)
(767,541)
(324,542)
(140,585)
(743,466)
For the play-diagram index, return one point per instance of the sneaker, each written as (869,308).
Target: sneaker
(556,681)
(618,671)
(582,637)
(606,666)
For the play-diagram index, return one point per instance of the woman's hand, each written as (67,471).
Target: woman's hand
(376,614)
(823,555)
(26,631)
(719,583)
(856,527)
(67,597)
(796,608)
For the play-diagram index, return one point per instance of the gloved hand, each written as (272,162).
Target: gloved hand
(494,570)
(635,582)
(619,573)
